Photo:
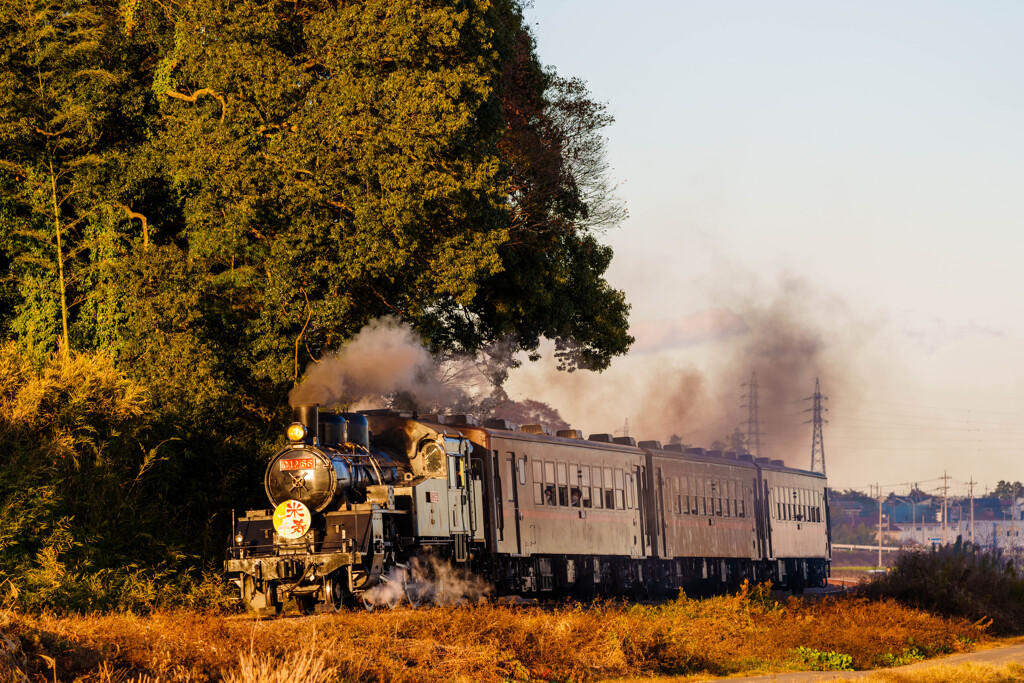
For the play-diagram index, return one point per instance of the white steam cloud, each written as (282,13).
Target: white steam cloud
(428,581)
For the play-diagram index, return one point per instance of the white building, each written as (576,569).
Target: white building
(1007,533)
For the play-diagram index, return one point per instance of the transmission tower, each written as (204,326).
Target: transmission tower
(753,423)
(817,441)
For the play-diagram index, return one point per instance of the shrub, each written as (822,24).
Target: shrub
(961,580)
(824,661)
(83,516)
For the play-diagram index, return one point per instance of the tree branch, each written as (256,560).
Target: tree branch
(199,93)
(143,219)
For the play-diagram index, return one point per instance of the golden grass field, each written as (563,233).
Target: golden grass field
(745,633)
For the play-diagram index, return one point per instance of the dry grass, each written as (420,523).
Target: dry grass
(960,673)
(719,636)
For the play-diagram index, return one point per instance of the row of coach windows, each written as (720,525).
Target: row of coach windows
(789,503)
(707,496)
(561,484)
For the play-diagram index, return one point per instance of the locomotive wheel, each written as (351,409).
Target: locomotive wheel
(248,592)
(256,602)
(306,604)
(334,591)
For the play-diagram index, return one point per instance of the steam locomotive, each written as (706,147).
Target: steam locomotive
(358,497)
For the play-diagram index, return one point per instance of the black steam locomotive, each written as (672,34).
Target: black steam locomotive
(359,496)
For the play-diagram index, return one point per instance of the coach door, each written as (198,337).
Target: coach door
(514,473)
(640,493)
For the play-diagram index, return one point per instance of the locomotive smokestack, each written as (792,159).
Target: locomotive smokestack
(309,417)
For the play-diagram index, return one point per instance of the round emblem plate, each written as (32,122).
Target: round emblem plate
(292,519)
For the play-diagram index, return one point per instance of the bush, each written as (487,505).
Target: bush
(961,580)
(83,516)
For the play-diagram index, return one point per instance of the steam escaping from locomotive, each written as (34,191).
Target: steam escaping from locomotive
(384,359)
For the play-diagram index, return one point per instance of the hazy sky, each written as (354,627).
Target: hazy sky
(815,189)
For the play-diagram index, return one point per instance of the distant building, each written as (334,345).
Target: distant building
(1002,534)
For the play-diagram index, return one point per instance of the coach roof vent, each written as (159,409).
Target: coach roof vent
(569,433)
(676,447)
(462,420)
(762,461)
(536,429)
(624,440)
(693,450)
(778,463)
(731,455)
(713,454)
(603,438)
(655,445)
(746,457)
(497,423)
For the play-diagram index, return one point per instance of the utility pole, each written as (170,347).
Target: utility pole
(945,511)
(817,441)
(753,423)
(970,484)
(879,486)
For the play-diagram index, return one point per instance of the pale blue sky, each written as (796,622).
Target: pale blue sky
(873,151)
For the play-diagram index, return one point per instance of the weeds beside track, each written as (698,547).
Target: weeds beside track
(749,632)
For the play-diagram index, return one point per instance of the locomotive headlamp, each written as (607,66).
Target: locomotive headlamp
(296,432)
(239,538)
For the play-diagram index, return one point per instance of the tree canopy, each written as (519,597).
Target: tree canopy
(313,166)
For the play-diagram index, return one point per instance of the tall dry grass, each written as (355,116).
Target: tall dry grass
(719,636)
(960,673)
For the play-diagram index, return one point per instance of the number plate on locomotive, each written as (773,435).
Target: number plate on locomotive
(297,464)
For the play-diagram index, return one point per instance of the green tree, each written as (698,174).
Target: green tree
(1006,489)
(68,107)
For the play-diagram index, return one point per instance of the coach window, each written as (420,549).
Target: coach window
(719,495)
(538,482)
(620,499)
(677,495)
(778,503)
(727,507)
(511,477)
(585,485)
(609,491)
(563,485)
(598,495)
(549,484)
